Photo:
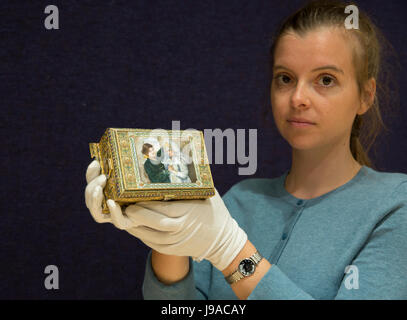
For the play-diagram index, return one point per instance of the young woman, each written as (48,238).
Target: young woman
(331,227)
(175,161)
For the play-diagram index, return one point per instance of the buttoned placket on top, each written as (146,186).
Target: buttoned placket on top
(278,250)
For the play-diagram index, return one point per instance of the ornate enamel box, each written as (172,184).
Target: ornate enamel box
(144,164)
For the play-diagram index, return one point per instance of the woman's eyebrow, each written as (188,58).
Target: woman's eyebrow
(331,67)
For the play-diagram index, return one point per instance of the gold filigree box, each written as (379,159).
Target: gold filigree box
(144,164)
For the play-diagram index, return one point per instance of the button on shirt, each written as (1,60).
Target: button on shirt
(350,243)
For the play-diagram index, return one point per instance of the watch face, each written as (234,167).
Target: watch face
(247,267)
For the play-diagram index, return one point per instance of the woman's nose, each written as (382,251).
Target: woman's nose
(300,96)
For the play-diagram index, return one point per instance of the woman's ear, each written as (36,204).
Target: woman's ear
(368,95)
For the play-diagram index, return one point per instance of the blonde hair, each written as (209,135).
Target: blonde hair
(368,58)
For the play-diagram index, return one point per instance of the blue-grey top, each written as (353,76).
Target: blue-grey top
(349,243)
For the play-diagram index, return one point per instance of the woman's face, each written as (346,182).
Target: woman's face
(314,79)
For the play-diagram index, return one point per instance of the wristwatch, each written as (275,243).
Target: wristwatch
(245,269)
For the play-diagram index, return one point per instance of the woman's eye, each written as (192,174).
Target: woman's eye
(282,79)
(326,81)
(285,79)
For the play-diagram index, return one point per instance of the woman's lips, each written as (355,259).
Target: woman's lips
(300,124)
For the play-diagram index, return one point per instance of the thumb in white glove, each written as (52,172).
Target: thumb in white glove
(94,192)
(94,197)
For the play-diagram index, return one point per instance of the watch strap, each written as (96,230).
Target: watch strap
(256,257)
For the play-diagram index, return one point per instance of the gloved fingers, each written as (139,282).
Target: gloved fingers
(95,207)
(92,171)
(91,187)
(153,219)
(172,208)
(156,237)
(120,220)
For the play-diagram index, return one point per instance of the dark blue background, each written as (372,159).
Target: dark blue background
(130,64)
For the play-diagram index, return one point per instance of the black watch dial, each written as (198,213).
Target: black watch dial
(247,267)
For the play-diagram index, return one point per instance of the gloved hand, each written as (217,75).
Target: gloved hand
(94,192)
(202,229)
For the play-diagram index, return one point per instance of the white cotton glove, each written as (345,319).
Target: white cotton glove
(94,192)
(202,229)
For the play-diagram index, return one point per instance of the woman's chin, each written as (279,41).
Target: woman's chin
(302,143)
